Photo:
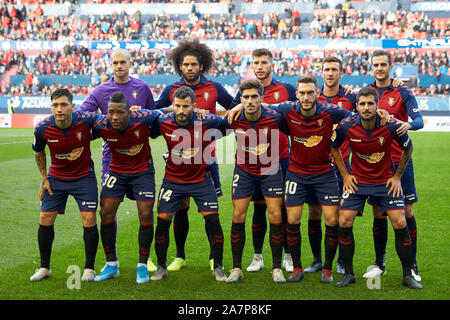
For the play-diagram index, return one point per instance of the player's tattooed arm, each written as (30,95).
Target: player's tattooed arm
(395,182)
(41,161)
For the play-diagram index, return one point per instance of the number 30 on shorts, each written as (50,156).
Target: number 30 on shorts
(109,181)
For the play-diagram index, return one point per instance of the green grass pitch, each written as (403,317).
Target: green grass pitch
(19,255)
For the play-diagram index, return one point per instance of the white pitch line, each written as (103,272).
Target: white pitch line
(1,143)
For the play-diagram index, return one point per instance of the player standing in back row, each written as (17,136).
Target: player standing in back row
(401,103)
(192,60)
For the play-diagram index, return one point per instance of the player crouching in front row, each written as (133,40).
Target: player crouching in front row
(371,177)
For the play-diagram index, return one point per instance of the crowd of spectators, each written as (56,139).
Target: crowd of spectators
(80,61)
(20,24)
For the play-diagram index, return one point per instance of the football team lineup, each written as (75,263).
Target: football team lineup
(292,147)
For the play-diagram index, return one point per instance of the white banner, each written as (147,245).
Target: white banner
(5,121)
(436,123)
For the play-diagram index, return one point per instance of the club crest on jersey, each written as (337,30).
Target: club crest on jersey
(391,101)
(79,135)
(137,133)
(134,150)
(276,96)
(206,95)
(381,140)
(134,94)
(373,158)
(320,122)
(340,104)
(309,142)
(73,155)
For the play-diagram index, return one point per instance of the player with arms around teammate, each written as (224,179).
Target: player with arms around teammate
(372,177)
(189,145)
(401,103)
(334,93)
(275,91)
(71,172)
(131,173)
(257,167)
(192,60)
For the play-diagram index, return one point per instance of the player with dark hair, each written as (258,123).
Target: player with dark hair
(310,125)
(401,103)
(274,92)
(257,167)
(189,144)
(130,173)
(71,172)
(192,60)
(331,92)
(372,177)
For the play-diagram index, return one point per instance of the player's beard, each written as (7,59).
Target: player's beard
(264,76)
(183,119)
(193,77)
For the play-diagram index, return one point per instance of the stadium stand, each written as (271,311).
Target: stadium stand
(135,20)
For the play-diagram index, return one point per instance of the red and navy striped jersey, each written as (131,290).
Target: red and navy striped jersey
(401,103)
(70,150)
(346,101)
(371,160)
(207,94)
(130,148)
(257,150)
(189,147)
(276,92)
(310,136)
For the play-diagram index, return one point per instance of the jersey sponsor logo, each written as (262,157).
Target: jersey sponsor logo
(52,140)
(296,122)
(373,158)
(110,139)
(186,154)
(134,150)
(309,142)
(258,150)
(239,131)
(135,108)
(355,140)
(73,155)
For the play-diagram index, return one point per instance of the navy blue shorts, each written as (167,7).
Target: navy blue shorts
(136,186)
(245,184)
(214,171)
(339,176)
(284,165)
(408,184)
(84,190)
(323,186)
(375,193)
(171,194)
